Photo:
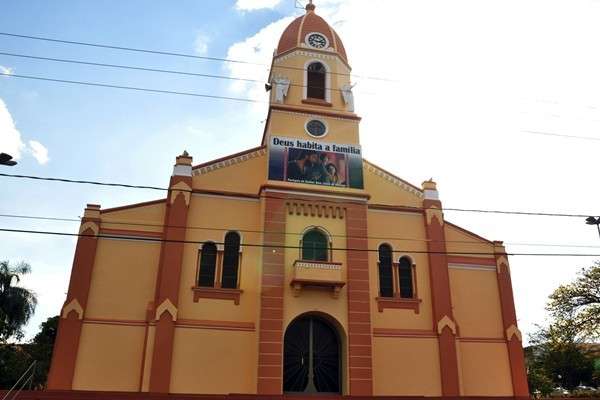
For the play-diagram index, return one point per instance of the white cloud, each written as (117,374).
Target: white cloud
(201,44)
(6,70)
(251,5)
(469,77)
(11,141)
(39,151)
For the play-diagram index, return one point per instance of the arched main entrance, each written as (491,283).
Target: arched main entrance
(311,356)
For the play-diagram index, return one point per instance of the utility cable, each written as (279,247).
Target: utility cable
(206,228)
(530,213)
(279,246)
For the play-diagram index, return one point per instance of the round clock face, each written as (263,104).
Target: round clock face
(316,40)
(316,128)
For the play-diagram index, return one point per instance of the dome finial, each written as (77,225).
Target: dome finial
(310,6)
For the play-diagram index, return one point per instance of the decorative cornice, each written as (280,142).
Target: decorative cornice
(304,112)
(315,209)
(72,306)
(446,322)
(392,179)
(326,54)
(222,163)
(166,306)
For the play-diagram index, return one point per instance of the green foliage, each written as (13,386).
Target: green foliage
(579,301)
(16,358)
(17,304)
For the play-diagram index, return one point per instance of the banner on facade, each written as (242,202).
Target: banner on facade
(318,163)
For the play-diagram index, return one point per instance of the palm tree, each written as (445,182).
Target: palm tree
(17,304)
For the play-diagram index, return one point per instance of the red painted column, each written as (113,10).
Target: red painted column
(270,334)
(509,317)
(359,310)
(169,273)
(443,318)
(66,345)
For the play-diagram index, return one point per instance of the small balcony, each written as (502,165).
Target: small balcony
(317,274)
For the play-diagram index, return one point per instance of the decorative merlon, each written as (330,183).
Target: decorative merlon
(430,190)
(446,322)
(513,331)
(183,165)
(72,306)
(166,306)
(92,211)
(181,188)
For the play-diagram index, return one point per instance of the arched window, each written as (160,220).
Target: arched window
(405,278)
(208,264)
(231,259)
(386,282)
(315,82)
(315,246)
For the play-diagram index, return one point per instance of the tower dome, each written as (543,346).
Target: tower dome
(311,31)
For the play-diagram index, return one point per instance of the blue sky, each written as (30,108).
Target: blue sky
(470,80)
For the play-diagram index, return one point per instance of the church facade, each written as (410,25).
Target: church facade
(293,267)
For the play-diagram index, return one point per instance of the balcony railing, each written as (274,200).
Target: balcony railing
(317,274)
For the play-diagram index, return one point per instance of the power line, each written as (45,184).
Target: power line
(147,224)
(140,89)
(147,69)
(278,246)
(562,135)
(185,55)
(530,213)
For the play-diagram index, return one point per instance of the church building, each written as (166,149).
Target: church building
(295,267)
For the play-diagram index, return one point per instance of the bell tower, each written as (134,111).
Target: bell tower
(310,85)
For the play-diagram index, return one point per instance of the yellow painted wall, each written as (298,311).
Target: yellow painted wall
(123,279)
(400,225)
(476,303)
(243,177)
(292,66)
(461,242)
(109,358)
(212,361)
(383,191)
(406,366)
(233,214)
(290,124)
(485,369)
(152,215)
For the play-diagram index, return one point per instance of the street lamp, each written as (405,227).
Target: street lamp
(6,159)
(593,221)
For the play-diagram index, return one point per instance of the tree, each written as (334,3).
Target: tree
(557,356)
(17,304)
(579,301)
(15,359)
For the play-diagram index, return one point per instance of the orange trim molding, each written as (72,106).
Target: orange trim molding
(398,303)
(217,293)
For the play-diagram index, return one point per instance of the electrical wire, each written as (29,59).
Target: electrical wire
(529,213)
(279,246)
(105,221)
(147,69)
(185,55)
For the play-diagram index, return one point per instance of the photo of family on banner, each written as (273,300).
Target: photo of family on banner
(318,163)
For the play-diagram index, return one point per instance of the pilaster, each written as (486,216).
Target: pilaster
(66,345)
(359,311)
(509,318)
(443,318)
(169,273)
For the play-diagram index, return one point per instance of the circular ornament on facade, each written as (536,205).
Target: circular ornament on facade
(316,128)
(316,40)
